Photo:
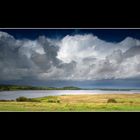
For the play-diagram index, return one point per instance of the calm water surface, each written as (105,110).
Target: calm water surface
(12,95)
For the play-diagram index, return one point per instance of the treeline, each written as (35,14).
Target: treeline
(18,87)
(15,87)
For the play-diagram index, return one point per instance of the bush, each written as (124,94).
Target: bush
(58,101)
(24,99)
(21,99)
(111,100)
(53,101)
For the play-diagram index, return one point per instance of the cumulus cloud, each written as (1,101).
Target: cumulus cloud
(76,57)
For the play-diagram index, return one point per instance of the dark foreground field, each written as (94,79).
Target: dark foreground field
(105,102)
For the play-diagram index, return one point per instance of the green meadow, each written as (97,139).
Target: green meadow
(75,103)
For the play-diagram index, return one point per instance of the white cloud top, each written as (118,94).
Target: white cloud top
(77,57)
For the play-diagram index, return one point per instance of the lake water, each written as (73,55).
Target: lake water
(12,95)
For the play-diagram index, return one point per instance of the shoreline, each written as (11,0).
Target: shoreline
(12,95)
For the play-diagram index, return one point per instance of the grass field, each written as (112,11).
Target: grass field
(124,102)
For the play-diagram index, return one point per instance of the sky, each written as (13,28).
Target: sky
(69,54)
(105,34)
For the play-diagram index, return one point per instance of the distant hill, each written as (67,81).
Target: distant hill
(16,87)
